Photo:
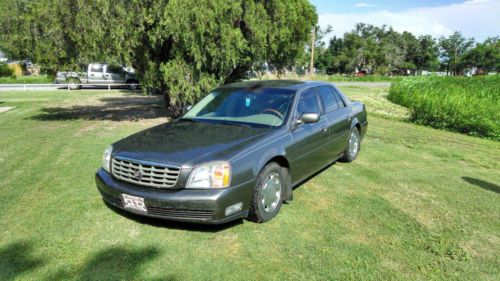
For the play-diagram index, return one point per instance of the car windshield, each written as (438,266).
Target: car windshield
(268,107)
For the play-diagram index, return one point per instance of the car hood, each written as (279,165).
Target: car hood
(187,143)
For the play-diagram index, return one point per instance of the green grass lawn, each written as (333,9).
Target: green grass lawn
(418,204)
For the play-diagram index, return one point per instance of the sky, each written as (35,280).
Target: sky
(477,19)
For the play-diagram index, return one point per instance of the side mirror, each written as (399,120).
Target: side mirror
(308,117)
(186,108)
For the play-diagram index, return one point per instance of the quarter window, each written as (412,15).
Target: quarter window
(340,101)
(328,98)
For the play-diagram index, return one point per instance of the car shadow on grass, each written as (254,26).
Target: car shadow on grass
(307,179)
(17,258)
(129,108)
(156,222)
(483,184)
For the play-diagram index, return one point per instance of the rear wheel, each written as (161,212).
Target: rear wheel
(353,146)
(268,194)
(134,85)
(73,83)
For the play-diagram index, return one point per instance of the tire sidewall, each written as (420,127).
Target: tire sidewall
(258,208)
(349,157)
(73,84)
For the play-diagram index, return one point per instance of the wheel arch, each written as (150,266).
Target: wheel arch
(69,78)
(355,123)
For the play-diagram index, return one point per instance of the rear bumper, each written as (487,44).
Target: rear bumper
(201,206)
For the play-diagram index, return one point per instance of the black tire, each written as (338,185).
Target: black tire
(350,154)
(133,87)
(259,211)
(72,84)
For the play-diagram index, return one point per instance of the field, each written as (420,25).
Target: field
(418,204)
(462,104)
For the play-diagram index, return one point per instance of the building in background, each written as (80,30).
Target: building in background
(3,58)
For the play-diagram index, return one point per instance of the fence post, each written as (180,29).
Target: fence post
(24,86)
(68,86)
(109,87)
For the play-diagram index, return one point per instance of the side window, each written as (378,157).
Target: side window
(96,68)
(327,96)
(308,102)
(114,69)
(340,101)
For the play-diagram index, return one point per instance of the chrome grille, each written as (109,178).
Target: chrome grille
(145,174)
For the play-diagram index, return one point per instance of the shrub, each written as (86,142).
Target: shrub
(41,79)
(462,104)
(17,69)
(5,70)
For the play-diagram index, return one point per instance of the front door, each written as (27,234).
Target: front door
(310,140)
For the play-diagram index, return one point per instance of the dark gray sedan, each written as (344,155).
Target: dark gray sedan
(238,153)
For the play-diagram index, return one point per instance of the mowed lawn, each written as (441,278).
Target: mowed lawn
(418,204)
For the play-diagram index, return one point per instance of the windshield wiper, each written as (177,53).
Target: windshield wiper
(232,124)
(188,120)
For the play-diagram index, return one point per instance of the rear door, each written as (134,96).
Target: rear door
(310,140)
(338,116)
(114,74)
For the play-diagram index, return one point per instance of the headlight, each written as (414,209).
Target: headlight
(210,175)
(106,159)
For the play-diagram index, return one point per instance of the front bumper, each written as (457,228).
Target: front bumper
(202,206)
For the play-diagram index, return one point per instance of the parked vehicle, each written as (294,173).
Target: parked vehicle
(97,74)
(238,153)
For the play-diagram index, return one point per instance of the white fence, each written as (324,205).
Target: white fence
(27,87)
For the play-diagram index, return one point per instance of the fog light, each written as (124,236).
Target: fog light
(233,209)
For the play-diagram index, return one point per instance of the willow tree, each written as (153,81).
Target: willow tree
(180,48)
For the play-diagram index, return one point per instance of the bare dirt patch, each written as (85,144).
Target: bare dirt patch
(5,109)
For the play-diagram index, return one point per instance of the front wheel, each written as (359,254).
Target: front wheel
(268,194)
(353,146)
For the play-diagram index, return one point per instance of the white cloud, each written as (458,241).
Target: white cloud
(474,18)
(366,5)
(472,2)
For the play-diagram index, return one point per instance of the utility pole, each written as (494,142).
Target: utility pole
(313,39)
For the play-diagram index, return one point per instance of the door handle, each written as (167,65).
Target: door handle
(323,130)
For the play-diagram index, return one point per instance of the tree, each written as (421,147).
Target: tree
(180,48)
(485,57)
(427,55)
(453,48)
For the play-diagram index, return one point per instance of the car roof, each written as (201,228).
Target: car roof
(293,85)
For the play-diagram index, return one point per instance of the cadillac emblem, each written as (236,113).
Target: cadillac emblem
(137,174)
